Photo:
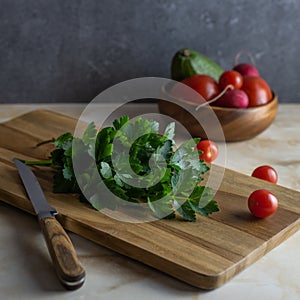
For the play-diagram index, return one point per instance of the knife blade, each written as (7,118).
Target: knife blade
(68,268)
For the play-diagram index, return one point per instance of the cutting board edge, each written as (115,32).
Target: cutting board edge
(36,112)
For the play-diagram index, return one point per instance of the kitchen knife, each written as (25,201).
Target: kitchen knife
(68,268)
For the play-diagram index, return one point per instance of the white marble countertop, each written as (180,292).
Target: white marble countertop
(26,270)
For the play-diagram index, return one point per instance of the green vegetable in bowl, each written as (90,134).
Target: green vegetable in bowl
(186,63)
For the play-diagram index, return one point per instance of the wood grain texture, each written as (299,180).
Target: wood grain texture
(65,260)
(205,254)
(237,124)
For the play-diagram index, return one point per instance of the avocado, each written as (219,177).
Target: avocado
(187,62)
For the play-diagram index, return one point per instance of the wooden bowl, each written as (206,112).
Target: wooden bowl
(238,124)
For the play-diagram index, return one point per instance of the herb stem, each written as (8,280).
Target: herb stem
(46,162)
(139,200)
(45,142)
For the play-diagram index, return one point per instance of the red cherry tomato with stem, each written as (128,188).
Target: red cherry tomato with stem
(262,203)
(209,150)
(266,173)
(230,77)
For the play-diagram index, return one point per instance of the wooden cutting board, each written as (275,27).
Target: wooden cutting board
(205,254)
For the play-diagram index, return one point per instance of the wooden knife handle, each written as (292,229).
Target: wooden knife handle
(68,268)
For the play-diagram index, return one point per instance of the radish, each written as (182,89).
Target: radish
(246,70)
(233,98)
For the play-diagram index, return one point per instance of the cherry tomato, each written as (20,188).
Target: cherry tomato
(262,203)
(209,150)
(257,89)
(205,85)
(230,77)
(266,173)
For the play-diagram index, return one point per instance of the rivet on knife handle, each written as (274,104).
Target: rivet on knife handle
(68,268)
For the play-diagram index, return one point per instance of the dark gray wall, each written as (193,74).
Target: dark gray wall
(69,50)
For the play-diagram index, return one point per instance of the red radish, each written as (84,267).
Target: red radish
(233,98)
(246,70)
